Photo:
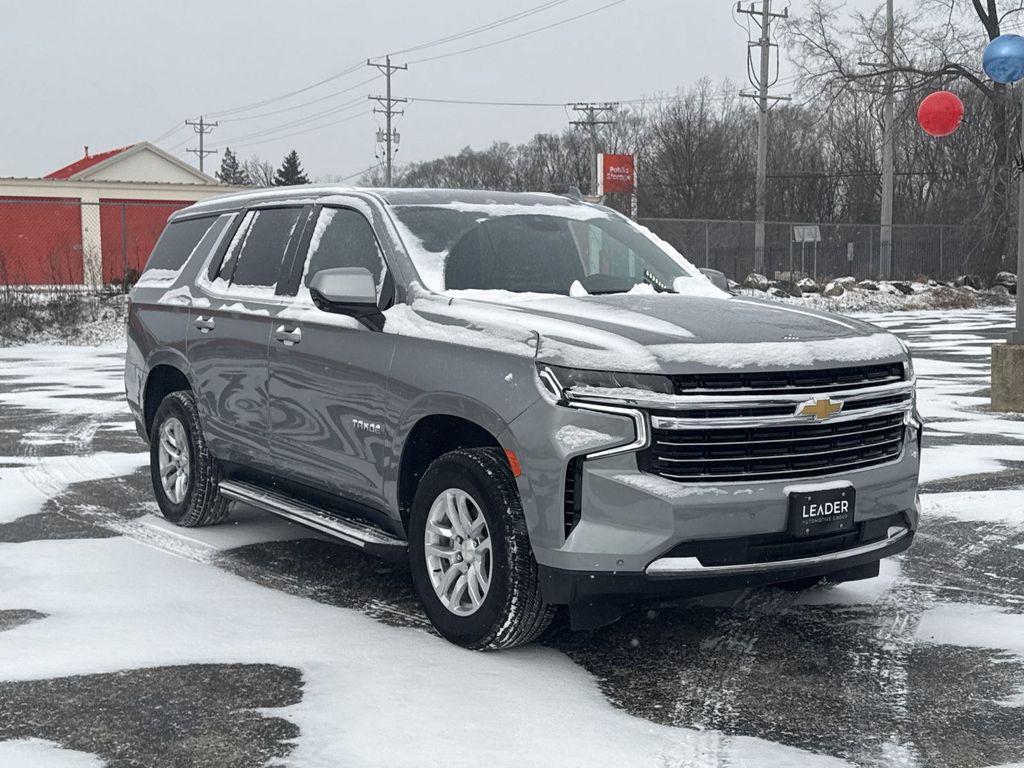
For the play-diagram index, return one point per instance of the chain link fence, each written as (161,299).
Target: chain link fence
(103,245)
(48,243)
(938,251)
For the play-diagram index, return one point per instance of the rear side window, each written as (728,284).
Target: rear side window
(257,250)
(342,238)
(178,241)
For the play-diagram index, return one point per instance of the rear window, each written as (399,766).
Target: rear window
(256,255)
(178,241)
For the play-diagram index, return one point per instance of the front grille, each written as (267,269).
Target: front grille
(722,411)
(854,377)
(773,452)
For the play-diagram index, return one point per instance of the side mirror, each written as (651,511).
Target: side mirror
(346,291)
(718,279)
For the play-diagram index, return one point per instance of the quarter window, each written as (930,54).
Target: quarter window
(178,242)
(342,237)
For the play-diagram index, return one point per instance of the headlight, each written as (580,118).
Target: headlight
(909,362)
(567,378)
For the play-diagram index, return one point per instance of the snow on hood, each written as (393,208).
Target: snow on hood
(657,333)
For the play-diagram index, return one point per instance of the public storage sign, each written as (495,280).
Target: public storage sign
(617,174)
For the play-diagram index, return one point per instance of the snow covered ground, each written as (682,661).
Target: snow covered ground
(886,298)
(125,640)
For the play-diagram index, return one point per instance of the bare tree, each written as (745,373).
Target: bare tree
(258,173)
(940,45)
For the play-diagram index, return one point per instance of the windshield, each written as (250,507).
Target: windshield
(558,249)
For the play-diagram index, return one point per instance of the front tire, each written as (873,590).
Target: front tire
(470,555)
(185,476)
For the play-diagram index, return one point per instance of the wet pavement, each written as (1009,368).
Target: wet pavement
(863,672)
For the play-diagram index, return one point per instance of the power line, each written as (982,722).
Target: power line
(520,35)
(559,104)
(201,128)
(387,108)
(267,139)
(354,67)
(295,123)
(358,173)
(303,104)
(168,133)
(289,94)
(483,27)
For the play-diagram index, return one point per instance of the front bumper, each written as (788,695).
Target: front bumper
(639,533)
(598,598)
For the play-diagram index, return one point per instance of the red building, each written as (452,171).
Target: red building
(95,220)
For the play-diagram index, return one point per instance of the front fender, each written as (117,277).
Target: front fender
(440,404)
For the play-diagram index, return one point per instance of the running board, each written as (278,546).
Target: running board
(358,533)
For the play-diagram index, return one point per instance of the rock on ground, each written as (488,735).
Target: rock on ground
(756,282)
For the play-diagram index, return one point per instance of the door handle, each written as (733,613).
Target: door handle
(288,336)
(205,324)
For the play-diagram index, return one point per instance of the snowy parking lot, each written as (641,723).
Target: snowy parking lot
(127,641)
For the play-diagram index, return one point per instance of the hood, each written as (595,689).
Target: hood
(660,333)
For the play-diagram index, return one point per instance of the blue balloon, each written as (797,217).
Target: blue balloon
(1004,59)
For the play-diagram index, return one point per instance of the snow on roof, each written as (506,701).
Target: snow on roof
(85,162)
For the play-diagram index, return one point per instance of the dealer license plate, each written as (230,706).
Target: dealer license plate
(816,513)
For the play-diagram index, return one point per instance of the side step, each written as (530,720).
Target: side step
(358,533)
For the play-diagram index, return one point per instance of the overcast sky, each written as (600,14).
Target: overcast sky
(114,72)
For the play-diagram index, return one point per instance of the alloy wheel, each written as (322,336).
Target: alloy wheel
(174,459)
(457,548)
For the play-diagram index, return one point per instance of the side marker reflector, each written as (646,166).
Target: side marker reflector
(513,462)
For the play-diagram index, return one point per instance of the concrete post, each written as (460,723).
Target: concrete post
(92,251)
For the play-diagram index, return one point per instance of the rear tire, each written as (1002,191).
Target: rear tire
(476,577)
(185,476)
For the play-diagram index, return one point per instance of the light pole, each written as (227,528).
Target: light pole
(1003,61)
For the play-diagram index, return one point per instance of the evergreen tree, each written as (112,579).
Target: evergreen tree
(231,171)
(290,172)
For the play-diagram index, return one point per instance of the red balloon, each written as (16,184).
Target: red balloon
(940,113)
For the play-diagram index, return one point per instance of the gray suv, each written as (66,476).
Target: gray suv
(533,399)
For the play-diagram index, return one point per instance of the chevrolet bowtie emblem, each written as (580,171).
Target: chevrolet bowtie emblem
(820,410)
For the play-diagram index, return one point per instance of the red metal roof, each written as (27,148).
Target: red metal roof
(86,162)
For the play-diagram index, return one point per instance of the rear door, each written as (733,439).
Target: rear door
(329,372)
(230,331)
(158,319)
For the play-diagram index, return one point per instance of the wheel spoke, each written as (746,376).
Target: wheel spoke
(433,550)
(452,513)
(169,448)
(474,586)
(477,526)
(465,518)
(448,579)
(483,572)
(461,585)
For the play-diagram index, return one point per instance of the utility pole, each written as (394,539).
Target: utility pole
(387,109)
(202,128)
(594,114)
(888,172)
(762,81)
